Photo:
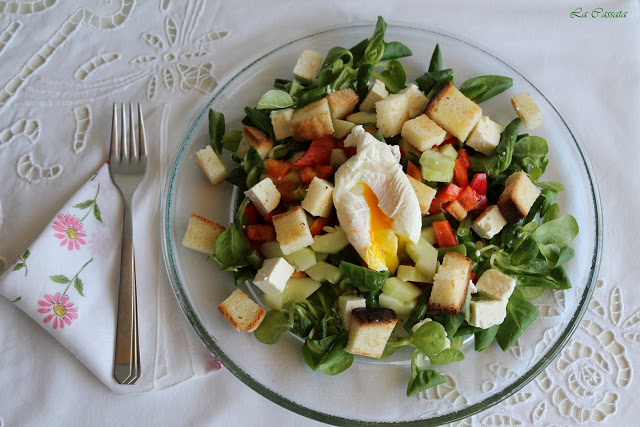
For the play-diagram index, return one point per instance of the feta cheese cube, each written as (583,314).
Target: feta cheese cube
(281,122)
(416,100)
(307,66)
(485,137)
(272,277)
(319,198)
(264,195)
(489,223)
(346,303)
(496,285)
(527,110)
(485,314)
(378,92)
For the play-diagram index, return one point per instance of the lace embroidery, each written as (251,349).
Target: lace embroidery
(82,117)
(94,63)
(7,35)
(30,129)
(25,8)
(32,172)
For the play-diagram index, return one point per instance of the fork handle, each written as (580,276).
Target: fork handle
(126,350)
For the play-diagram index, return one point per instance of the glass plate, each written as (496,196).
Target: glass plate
(375,391)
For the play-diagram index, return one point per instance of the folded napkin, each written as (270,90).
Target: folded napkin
(67,281)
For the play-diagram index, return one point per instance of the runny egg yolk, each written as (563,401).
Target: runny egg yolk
(384,242)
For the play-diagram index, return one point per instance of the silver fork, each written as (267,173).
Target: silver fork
(127,165)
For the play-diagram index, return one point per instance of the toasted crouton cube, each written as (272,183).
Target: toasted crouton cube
(424,193)
(422,132)
(450,284)
(273,275)
(242,312)
(456,210)
(416,100)
(264,195)
(312,121)
(346,303)
(201,234)
(485,314)
(281,122)
(292,230)
(306,68)
(391,113)
(252,137)
(342,102)
(319,198)
(489,223)
(485,137)
(454,112)
(211,165)
(527,110)
(517,198)
(496,285)
(378,92)
(370,331)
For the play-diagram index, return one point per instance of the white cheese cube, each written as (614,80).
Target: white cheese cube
(264,195)
(378,92)
(489,223)
(496,285)
(416,100)
(346,303)
(527,110)
(272,277)
(281,122)
(485,137)
(307,66)
(319,198)
(485,314)
(447,341)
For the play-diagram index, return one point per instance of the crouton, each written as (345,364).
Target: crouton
(454,112)
(496,285)
(319,198)
(370,331)
(346,303)
(211,165)
(273,275)
(450,284)
(281,123)
(307,66)
(252,137)
(378,92)
(312,121)
(517,198)
(527,110)
(391,113)
(456,210)
(485,314)
(201,234)
(408,148)
(416,100)
(264,195)
(342,102)
(241,311)
(489,223)
(422,132)
(424,193)
(292,230)
(485,137)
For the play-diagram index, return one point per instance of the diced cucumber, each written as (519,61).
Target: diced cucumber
(448,150)
(408,273)
(271,250)
(402,250)
(295,291)
(404,291)
(302,259)
(342,128)
(323,271)
(330,243)
(402,308)
(320,256)
(460,249)
(425,256)
(436,166)
(362,118)
(338,157)
(428,220)
(429,234)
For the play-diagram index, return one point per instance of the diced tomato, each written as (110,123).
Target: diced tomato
(290,191)
(252,214)
(460,175)
(299,274)
(479,183)
(260,232)
(318,224)
(482,204)
(349,151)
(414,171)
(444,234)
(463,156)
(450,193)
(402,153)
(276,168)
(451,141)
(468,198)
(321,171)
(319,152)
(472,277)
(256,246)
(435,207)
(307,174)
(278,210)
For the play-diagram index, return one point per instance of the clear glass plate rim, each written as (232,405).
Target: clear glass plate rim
(210,342)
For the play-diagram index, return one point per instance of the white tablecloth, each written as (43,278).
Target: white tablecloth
(62,65)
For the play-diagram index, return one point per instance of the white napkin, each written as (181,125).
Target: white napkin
(67,281)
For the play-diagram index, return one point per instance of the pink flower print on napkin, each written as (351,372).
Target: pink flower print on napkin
(60,310)
(69,230)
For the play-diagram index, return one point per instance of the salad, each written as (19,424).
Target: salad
(380,214)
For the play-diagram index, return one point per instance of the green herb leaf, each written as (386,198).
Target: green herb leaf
(337,54)
(436,60)
(364,278)
(337,359)
(430,79)
(395,50)
(447,355)
(243,274)
(274,99)
(273,327)
(18,266)
(483,338)
(362,81)
(77,283)
(439,85)
(421,380)
(520,315)
(253,166)
(375,49)
(232,249)
(258,119)
(393,344)
(96,212)
(231,140)
(216,130)
(450,322)
(394,77)
(60,278)
(26,255)
(17,299)
(429,338)
(554,237)
(313,94)
(237,177)
(84,205)
(358,51)
(419,311)
(501,157)
(493,85)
